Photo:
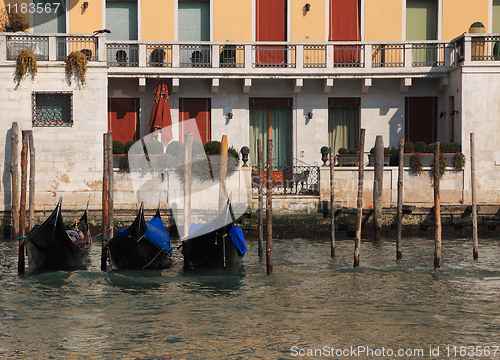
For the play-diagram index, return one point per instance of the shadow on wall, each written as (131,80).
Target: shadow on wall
(396,128)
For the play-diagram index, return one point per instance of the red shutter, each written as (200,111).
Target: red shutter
(271,26)
(123,119)
(344,20)
(198,109)
(270,20)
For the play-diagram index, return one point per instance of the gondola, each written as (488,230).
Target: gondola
(142,245)
(53,246)
(217,244)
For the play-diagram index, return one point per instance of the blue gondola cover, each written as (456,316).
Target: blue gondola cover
(155,233)
(236,236)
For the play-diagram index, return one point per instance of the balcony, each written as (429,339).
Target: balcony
(276,59)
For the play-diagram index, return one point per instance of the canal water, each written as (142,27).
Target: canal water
(312,305)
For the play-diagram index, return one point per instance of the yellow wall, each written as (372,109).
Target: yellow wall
(158,20)
(383,20)
(232,20)
(85,21)
(459,15)
(310,23)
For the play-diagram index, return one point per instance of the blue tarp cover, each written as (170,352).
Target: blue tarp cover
(155,233)
(236,235)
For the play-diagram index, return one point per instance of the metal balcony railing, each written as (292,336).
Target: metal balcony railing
(39,45)
(159,55)
(67,44)
(271,55)
(314,58)
(124,55)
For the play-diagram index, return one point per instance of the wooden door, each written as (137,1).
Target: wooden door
(421,119)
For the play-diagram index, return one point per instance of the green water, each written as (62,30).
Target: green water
(311,302)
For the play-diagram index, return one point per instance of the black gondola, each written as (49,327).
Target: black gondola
(53,246)
(217,244)
(142,245)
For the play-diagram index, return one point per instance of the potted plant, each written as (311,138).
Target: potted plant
(118,153)
(477,43)
(158,57)
(427,152)
(26,62)
(387,157)
(228,56)
(76,63)
(348,157)
(196,58)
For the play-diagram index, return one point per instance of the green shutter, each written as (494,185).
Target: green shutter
(121,20)
(421,19)
(194,21)
(496,16)
(49,22)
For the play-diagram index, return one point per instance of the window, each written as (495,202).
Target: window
(343,123)
(271,118)
(52,109)
(121,20)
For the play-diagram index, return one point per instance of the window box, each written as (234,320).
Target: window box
(348,159)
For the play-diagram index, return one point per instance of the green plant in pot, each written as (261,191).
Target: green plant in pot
(158,57)
(228,55)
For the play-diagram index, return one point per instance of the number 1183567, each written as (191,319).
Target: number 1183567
(32,8)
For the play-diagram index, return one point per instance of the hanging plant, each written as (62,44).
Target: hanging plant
(26,61)
(76,62)
(441,163)
(416,163)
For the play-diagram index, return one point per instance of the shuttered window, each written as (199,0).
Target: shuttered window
(421,19)
(53,21)
(194,21)
(344,20)
(496,16)
(121,20)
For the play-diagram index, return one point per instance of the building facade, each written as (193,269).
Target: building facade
(320,70)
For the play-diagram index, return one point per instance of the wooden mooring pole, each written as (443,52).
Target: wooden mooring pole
(24,182)
(359,200)
(437,210)
(188,141)
(378,188)
(110,185)
(22,204)
(223,172)
(261,199)
(14,173)
(332,204)
(269,208)
(105,203)
(31,200)
(475,241)
(401,145)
